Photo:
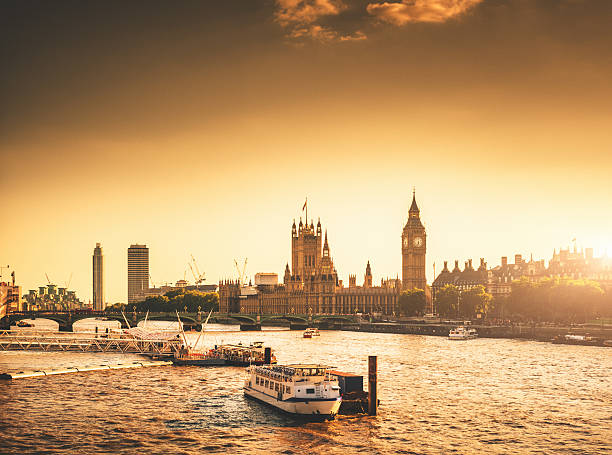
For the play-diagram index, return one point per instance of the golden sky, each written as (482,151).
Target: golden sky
(201,127)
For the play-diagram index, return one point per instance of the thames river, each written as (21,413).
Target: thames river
(437,396)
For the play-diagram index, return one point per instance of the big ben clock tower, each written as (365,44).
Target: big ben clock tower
(414,243)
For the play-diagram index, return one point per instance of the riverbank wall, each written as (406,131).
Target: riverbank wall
(521,332)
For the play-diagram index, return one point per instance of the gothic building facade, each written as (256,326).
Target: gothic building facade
(311,285)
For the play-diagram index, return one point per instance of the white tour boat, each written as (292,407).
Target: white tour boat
(302,390)
(462,333)
(311,332)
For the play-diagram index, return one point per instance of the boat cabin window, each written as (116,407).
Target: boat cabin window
(257,380)
(309,390)
(287,389)
(276,387)
(266,383)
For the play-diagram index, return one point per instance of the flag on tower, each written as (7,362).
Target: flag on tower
(306,202)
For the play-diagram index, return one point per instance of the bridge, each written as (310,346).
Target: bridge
(66,319)
(191,321)
(294,319)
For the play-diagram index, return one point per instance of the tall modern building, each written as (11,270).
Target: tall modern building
(138,271)
(98,279)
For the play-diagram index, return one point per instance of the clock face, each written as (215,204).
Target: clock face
(418,241)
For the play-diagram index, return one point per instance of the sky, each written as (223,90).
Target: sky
(200,127)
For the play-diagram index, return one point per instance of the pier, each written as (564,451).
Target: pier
(86,342)
(119,366)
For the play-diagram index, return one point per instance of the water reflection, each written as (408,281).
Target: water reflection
(483,396)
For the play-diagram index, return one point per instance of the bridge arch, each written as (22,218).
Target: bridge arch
(286,317)
(332,318)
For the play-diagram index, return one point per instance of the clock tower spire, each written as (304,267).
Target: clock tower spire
(414,247)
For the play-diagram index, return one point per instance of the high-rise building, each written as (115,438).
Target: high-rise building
(98,279)
(138,271)
(414,247)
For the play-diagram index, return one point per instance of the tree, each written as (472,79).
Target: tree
(473,301)
(447,300)
(412,302)
(556,299)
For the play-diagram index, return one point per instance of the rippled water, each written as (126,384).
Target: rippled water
(437,396)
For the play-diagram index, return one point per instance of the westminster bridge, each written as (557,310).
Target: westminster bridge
(191,321)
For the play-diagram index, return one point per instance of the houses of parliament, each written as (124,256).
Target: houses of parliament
(311,285)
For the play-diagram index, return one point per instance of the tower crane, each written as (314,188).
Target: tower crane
(48,280)
(69,281)
(197,276)
(241,275)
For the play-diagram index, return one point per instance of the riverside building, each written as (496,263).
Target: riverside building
(497,281)
(138,271)
(311,285)
(98,279)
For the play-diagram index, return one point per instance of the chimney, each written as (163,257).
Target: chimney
(518,259)
(504,261)
(470,262)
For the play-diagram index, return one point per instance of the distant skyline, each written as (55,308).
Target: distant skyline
(200,127)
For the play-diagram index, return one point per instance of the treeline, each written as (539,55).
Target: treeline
(556,300)
(179,300)
(453,303)
(412,302)
(549,300)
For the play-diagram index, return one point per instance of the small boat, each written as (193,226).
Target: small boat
(24,324)
(311,332)
(579,340)
(308,391)
(187,356)
(462,333)
(242,356)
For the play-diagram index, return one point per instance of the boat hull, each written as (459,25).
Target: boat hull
(316,409)
(199,362)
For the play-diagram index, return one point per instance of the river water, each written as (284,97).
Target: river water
(437,396)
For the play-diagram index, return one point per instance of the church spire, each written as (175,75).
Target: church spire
(325,246)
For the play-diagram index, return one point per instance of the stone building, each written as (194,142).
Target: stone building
(498,280)
(10,297)
(581,265)
(311,286)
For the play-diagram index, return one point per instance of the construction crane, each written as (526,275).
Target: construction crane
(195,271)
(69,281)
(151,278)
(48,280)
(241,275)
